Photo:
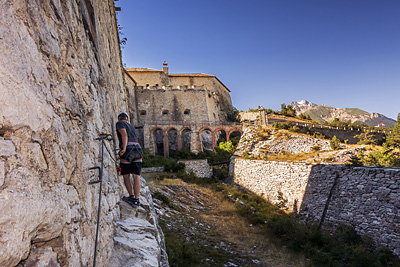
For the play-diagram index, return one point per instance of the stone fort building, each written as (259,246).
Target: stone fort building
(175,111)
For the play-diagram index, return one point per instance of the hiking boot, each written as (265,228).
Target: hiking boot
(134,202)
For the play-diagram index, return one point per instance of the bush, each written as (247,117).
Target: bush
(285,125)
(383,157)
(335,143)
(355,161)
(366,138)
(316,148)
(295,129)
(317,135)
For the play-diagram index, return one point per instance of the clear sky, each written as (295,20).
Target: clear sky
(341,53)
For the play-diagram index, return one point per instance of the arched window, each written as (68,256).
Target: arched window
(165,112)
(186,112)
(142,112)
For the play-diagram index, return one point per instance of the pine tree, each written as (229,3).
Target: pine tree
(393,139)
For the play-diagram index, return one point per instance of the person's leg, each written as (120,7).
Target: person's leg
(136,182)
(128,183)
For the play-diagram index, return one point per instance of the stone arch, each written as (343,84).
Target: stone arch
(157,135)
(172,141)
(207,139)
(234,135)
(185,138)
(220,135)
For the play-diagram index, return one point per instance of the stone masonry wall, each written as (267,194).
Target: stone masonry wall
(199,167)
(363,197)
(61,83)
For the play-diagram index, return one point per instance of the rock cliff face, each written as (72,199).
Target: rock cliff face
(61,87)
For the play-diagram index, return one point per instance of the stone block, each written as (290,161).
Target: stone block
(7,148)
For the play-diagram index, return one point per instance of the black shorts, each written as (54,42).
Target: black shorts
(134,167)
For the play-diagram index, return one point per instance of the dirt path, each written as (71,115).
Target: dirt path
(204,223)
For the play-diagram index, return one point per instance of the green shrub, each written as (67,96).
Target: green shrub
(366,138)
(316,148)
(335,143)
(294,128)
(317,135)
(355,161)
(382,157)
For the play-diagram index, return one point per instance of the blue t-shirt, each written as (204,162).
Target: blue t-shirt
(130,130)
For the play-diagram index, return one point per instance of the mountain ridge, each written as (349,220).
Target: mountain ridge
(322,113)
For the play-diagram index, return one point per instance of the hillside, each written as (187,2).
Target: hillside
(322,113)
(272,144)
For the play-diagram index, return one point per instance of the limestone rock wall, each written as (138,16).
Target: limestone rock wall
(364,197)
(61,86)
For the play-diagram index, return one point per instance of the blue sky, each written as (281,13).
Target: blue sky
(341,53)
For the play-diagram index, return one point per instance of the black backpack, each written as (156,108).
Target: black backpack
(133,152)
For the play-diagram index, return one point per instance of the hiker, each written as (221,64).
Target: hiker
(130,158)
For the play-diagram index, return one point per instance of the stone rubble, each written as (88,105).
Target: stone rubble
(288,142)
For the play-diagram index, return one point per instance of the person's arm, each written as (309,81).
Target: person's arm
(124,137)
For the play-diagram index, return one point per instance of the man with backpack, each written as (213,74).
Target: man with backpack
(130,158)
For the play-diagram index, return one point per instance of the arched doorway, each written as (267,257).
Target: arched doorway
(172,141)
(234,137)
(220,136)
(186,137)
(206,140)
(158,137)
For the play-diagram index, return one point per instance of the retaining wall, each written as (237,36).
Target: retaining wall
(366,198)
(199,167)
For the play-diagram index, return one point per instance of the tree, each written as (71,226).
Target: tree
(366,138)
(383,157)
(233,115)
(288,110)
(393,140)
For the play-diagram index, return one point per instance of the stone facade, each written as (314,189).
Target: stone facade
(364,197)
(177,108)
(61,85)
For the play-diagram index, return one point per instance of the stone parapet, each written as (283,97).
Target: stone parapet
(199,167)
